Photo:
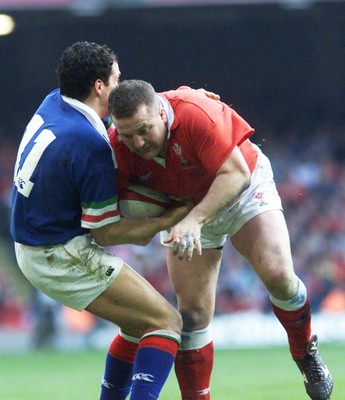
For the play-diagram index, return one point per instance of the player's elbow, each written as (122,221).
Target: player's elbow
(100,238)
(108,235)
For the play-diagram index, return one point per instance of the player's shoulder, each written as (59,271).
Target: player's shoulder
(193,103)
(183,93)
(193,109)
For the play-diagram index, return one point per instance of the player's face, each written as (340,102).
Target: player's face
(114,77)
(107,88)
(145,133)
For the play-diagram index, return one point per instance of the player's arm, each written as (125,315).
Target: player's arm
(139,231)
(231,179)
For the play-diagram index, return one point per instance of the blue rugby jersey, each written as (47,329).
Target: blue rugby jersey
(65,177)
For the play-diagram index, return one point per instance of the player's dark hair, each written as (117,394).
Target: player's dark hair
(125,99)
(81,65)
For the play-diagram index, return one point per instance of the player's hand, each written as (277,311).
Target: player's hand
(210,95)
(185,237)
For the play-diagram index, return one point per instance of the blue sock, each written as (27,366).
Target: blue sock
(153,362)
(117,380)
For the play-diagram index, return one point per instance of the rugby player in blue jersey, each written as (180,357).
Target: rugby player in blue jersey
(64,207)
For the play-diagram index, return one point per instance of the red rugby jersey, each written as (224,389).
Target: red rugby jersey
(202,135)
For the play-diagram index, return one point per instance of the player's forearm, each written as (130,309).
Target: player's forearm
(140,231)
(231,180)
(129,231)
(223,193)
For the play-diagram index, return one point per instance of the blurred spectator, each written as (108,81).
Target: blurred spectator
(334,301)
(12,310)
(44,319)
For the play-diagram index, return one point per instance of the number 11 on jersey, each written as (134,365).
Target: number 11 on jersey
(24,173)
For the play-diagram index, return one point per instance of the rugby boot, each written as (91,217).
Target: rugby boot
(317,378)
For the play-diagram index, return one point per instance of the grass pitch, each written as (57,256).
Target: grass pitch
(251,374)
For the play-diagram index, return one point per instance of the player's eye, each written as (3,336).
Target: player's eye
(144,131)
(124,136)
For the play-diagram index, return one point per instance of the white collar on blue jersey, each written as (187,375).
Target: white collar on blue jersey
(93,118)
(89,113)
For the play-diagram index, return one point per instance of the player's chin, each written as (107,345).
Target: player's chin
(147,154)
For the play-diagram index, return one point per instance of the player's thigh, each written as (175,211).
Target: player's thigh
(134,305)
(264,241)
(200,273)
(195,281)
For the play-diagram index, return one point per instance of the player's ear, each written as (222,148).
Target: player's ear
(98,85)
(163,115)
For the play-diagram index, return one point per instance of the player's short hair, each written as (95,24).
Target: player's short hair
(125,99)
(81,65)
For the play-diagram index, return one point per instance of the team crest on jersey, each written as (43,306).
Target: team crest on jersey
(178,151)
(144,178)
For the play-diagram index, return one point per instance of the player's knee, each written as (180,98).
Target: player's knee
(195,318)
(171,320)
(294,302)
(178,322)
(282,285)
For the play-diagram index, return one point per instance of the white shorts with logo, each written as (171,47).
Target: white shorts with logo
(261,196)
(74,273)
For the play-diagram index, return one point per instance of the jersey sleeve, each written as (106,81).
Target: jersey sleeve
(98,194)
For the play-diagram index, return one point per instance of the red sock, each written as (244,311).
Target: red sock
(193,370)
(161,343)
(298,327)
(123,349)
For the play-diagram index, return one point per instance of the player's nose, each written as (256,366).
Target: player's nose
(138,141)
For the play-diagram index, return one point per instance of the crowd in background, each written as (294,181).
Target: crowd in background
(309,170)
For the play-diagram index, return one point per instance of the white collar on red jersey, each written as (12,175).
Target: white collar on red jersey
(168,111)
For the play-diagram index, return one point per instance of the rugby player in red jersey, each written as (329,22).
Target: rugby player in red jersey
(184,144)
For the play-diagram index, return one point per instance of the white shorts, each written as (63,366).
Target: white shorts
(74,273)
(261,196)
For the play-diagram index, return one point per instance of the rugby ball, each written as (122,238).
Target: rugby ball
(142,202)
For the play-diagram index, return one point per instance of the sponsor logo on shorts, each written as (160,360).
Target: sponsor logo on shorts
(109,271)
(260,196)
